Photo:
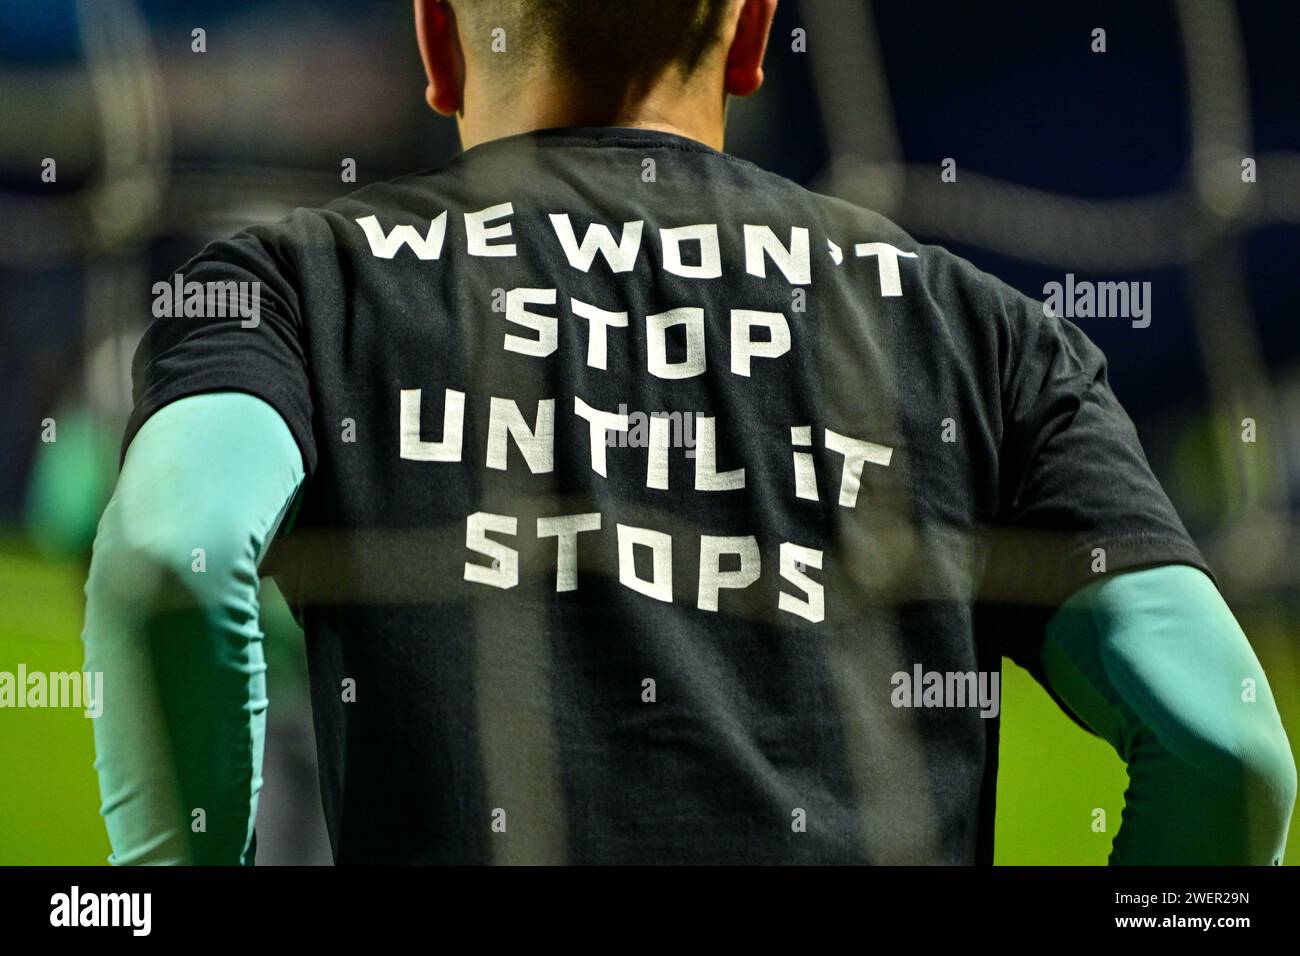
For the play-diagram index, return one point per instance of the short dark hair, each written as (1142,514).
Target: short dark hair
(602,40)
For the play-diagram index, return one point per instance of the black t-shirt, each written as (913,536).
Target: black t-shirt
(658,509)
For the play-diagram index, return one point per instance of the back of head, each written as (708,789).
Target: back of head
(600,42)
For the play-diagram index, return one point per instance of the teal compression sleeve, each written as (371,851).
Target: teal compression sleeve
(1154,662)
(172,624)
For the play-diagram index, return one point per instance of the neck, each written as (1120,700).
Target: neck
(696,110)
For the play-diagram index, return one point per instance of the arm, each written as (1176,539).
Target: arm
(1154,662)
(175,631)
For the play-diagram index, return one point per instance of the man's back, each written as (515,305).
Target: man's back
(654,502)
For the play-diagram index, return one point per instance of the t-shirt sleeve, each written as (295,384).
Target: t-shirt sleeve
(1078,497)
(234,326)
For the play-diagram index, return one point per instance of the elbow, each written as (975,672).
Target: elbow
(1258,771)
(1269,781)
(149,568)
